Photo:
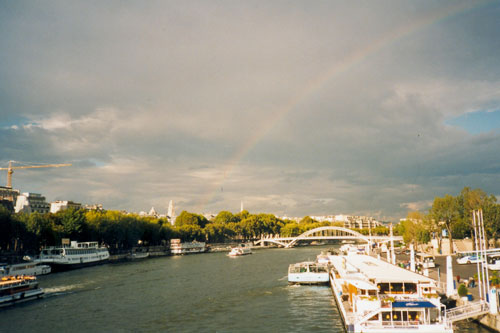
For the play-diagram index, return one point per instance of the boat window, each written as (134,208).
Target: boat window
(396,315)
(372,292)
(410,288)
(383,288)
(397,287)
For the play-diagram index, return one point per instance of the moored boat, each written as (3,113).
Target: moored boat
(138,255)
(178,247)
(25,268)
(240,250)
(20,288)
(308,272)
(74,255)
(374,296)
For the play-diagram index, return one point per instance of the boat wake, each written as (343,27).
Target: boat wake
(62,289)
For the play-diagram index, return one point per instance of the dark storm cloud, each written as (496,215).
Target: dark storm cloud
(167,100)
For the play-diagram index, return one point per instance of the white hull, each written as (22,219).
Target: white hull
(178,248)
(187,251)
(21,297)
(308,273)
(75,256)
(370,313)
(30,268)
(308,278)
(240,251)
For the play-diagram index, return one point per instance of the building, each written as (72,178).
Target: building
(7,193)
(360,222)
(30,203)
(62,205)
(97,207)
(7,204)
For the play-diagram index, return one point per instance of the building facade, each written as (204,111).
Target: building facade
(30,203)
(62,205)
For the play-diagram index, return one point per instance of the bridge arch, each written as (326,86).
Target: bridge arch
(320,229)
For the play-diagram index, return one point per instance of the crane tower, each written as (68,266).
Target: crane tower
(10,169)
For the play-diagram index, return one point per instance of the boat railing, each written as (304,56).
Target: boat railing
(394,324)
(470,310)
(367,315)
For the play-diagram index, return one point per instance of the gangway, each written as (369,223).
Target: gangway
(467,311)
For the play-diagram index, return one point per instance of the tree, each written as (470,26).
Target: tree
(73,222)
(445,210)
(492,220)
(307,220)
(470,200)
(291,229)
(225,217)
(186,218)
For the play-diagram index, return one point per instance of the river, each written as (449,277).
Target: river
(194,293)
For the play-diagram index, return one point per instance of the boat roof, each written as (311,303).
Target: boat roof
(361,284)
(373,268)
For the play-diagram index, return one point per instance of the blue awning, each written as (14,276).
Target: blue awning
(413,304)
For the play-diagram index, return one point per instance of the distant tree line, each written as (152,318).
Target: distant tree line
(453,214)
(28,233)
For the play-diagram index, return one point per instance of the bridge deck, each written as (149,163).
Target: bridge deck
(467,311)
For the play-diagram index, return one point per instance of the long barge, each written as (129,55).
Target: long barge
(374,296)
(75,255)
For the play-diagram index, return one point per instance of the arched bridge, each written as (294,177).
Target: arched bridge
(324,233)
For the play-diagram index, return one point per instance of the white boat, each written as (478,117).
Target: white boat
(494,262)
(353,249)
(177,247)
(374,296)
(138,255)
(16,289)
(308,272)
(324,256)
(240,250)
(75,255)
(425,260)
(25,268)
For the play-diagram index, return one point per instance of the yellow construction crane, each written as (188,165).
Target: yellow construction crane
(10,169)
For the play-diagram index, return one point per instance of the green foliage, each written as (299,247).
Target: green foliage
(461,229)
(186,218)
(307,220)
(462,290)
(121,231)
(225,217)
(494,278)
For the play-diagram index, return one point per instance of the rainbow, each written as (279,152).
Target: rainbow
(317,83)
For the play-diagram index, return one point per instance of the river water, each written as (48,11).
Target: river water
(195,293)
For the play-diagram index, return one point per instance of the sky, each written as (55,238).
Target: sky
(292,107)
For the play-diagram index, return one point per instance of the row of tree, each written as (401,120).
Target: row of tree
(27,233)
(452,216)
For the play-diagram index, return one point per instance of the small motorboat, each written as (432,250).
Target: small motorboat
(308,272)
(240,250)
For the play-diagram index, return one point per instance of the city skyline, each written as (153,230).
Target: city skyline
(292,107)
